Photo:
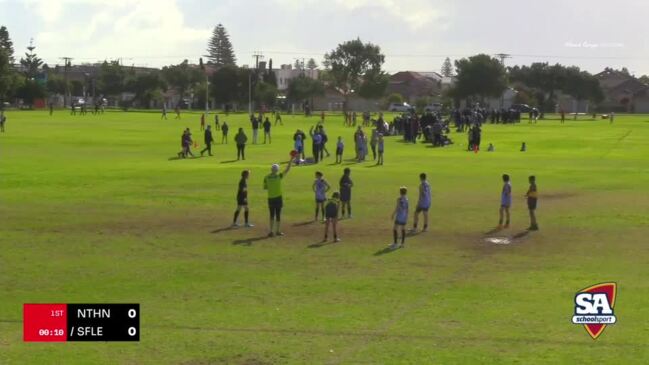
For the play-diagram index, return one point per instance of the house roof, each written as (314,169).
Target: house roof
(406,76)
(632,86)
(610,78)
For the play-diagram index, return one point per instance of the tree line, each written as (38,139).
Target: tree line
(353,68)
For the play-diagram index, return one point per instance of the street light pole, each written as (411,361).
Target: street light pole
(207,95)
(249,93)
(207,87)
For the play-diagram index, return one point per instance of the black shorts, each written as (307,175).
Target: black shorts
(320,200)
(242,201)
(331,211)
(531,203)
(275,202)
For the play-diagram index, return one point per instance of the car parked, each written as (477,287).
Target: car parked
(400,107)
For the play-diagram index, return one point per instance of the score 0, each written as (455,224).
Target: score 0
(132,313)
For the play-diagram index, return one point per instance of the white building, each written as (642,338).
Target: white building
(286,73)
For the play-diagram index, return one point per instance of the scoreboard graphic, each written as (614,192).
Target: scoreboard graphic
(81,322)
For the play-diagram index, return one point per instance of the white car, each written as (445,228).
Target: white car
(435,107)
(400,107)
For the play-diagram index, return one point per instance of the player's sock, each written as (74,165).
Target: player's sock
(236,216)
(403,236)
(245,216)
(394,233)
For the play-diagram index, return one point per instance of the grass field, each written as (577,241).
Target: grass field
(93,210)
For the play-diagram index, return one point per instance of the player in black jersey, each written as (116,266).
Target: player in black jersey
(242,200)
(331,214)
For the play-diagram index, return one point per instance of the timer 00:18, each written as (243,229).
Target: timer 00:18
(46,332)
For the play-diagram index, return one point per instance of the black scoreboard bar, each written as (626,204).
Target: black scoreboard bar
(81,322)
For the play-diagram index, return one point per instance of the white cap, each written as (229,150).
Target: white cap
(274,168)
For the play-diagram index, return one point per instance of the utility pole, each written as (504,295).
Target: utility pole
(257,56)
(503,57)
(249,92)
(67,64)
(207,88)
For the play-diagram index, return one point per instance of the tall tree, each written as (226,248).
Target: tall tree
(29,91)
(299,64)
(31,63)
(581,85)
(225,85)
(6,44)
(55,84)
(265,93)
(112,78)
(356,67)
(303,88)
(644,79)
(311,64)
(182,76)
(5,76)
(219,48)
(447,68)
(480,75)
(147,88)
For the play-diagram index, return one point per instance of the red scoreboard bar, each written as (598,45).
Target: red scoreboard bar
(81,322)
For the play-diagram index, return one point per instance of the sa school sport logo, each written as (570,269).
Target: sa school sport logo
(594,308)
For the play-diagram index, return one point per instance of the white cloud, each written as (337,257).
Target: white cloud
(148,30)
(416,14)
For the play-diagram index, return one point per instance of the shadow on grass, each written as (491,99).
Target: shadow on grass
(302,224)
(184,158)
(385,251)
(320,244)
(493,231)
(520,234)
(224,229)
(229,161)
(371,166)
(249,241)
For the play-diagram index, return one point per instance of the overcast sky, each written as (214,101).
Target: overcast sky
(413,34)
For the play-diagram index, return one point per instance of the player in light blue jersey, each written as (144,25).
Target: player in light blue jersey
(400,216)
(423,204)
(320,187)
(505,201)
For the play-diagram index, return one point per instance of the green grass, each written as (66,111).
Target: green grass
(93,210)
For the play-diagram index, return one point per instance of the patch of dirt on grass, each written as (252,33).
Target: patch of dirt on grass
(238,360)
(557,196)
(498,238)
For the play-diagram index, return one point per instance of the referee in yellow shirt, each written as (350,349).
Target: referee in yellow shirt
(273,184)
